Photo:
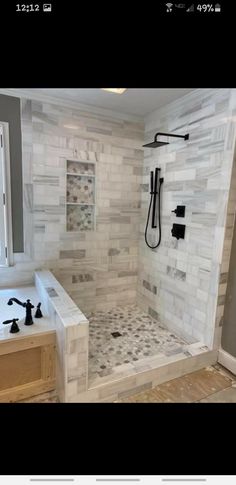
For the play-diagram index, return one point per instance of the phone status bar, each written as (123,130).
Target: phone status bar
(164,8)
(191,8)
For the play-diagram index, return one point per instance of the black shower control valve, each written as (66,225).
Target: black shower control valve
(180,211)
(178,231)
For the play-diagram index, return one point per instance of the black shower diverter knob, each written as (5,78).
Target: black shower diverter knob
(179,211)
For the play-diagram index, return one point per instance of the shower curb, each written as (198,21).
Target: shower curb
(118,388)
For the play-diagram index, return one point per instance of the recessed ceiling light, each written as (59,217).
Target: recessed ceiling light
(115,90)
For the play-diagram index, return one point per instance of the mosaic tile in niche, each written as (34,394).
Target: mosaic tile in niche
(80,189)
(80,167)
(80,218)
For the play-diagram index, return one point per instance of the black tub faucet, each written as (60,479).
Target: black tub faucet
(28,306)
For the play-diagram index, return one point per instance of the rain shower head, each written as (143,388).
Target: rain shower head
(156,144)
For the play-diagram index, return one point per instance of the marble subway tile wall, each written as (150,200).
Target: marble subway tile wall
(228,237)
(179,281)
(97,268)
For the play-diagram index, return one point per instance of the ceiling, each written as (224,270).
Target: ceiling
(139,102)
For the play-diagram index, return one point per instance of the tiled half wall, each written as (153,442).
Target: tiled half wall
(72,336)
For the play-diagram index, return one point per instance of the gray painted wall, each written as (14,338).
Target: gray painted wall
(228,342)
(10,112)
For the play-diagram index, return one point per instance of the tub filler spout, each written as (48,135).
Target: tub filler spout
(28,306)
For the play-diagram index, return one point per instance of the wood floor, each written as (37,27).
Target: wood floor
(212,384)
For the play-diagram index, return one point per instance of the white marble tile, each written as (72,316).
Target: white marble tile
(196,175)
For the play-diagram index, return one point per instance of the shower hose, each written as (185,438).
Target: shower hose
(159,217)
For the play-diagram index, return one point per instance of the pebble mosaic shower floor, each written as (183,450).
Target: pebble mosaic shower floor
(140,336)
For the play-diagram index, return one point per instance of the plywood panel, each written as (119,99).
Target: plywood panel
(27,390)
(27,366)
(48,361)
(28,342)
(19,368)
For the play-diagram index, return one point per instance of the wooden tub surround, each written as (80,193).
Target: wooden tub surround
(27,358)
(27,366)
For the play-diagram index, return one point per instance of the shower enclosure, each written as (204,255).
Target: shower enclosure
(142,315)
(131,341)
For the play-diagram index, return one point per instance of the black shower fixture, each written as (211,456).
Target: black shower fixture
(155,189)
(178,231)
(156,144)
(179,211)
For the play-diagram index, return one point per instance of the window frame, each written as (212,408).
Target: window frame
(5,197)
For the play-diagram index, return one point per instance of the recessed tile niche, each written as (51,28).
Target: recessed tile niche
(80,196)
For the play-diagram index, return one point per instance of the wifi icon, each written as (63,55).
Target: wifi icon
(169,7)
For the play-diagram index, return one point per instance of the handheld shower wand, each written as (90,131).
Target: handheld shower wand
(154,192)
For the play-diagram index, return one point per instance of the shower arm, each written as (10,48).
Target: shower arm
(186,137)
